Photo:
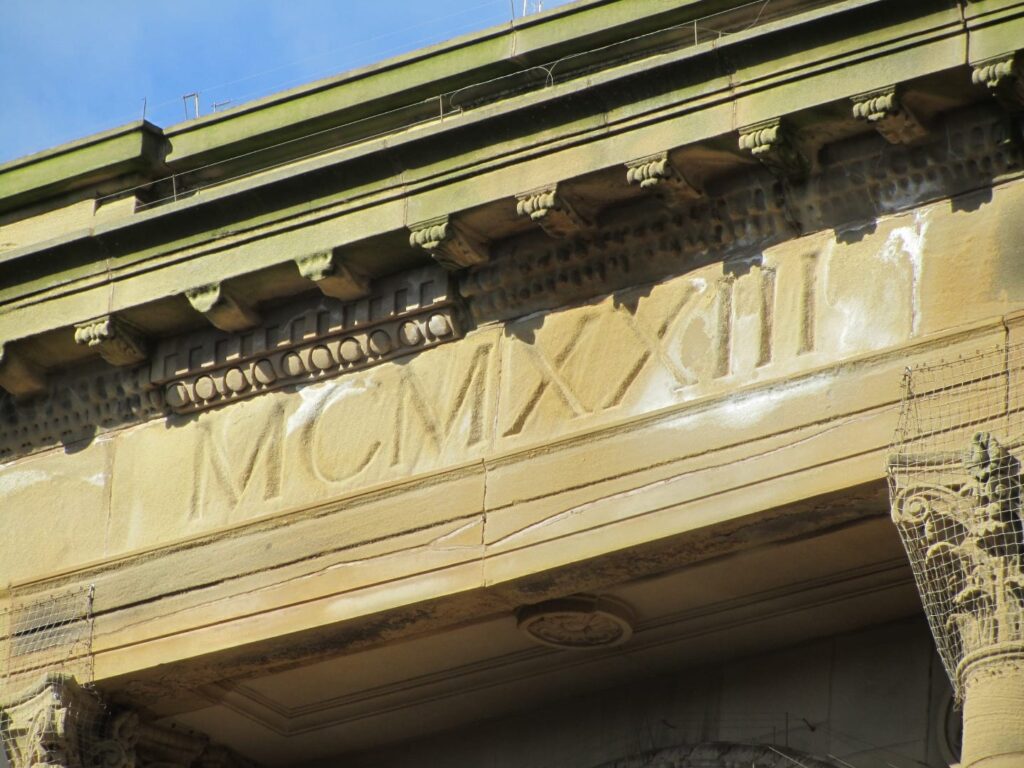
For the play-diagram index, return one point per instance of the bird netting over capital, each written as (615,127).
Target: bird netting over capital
(46,718)
(955,483)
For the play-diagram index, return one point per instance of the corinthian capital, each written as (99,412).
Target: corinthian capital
(965,538)
(51,724)
(56,723)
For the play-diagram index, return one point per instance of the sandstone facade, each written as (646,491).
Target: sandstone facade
(510,406)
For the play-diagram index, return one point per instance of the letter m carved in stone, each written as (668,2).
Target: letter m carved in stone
(456,422)
(237,460)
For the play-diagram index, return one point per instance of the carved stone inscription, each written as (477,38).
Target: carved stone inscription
(516,385)
(502,387)
(647,348)
(291,450)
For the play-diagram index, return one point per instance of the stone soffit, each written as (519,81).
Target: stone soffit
(368,697)
(886,581)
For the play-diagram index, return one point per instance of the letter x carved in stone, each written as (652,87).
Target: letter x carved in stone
(653,343)
(608,381)
(550,371)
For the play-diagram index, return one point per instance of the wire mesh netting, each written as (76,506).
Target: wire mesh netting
(955,483)
(45,647)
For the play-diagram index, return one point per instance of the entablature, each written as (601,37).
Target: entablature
(225,349)
(546,213)
(728,389)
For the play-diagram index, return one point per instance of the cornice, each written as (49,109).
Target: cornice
(242,355)
(709,53)
(580,247)
(104,163)
(406,82)
(446,67)
(646,244)
(224,242)
(303,342)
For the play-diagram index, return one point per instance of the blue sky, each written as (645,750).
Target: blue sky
(69,68)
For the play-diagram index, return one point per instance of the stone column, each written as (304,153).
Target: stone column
(993,692)
(964,536)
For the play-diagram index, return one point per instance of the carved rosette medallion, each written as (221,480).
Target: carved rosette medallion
(580,622)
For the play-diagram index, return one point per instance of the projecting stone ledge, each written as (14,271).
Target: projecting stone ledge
(19,375)
(1004,78)
(118,342)
(884,109)
(332,277)
(222,308)
(452,245)
(553,211)
(772,143)
(657,175)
